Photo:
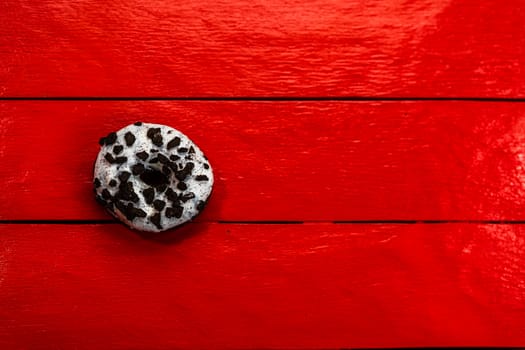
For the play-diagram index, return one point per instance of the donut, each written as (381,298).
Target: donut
(151,177)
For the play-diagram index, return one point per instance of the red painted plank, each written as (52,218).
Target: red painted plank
(286,160)
(263,48)
(262,286)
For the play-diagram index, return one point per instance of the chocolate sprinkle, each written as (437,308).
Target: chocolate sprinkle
(96,182)
(121,160)
(172,196)
(182,174)
(149,195)
(130,139)
(105,194)
(154,160)
(155,219)
(174,157)
(192,150)
(117,149)
(166,170)
(155,136)
(158,204)
(124,176)
(187,196)
(200,206)
(173,143)
(175,211)
(161,188)
(126,192)
(137,169)
(206,166)
(111,138)
(201,178)
(109,158)
(142,155)
(130,211)
(138,123)
(182,186)
(102,141)
(163,159)
(152,131)
(182,150)
(113,183)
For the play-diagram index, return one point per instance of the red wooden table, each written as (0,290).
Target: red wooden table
(369,160)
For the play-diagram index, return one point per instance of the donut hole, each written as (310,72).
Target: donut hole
(154,178)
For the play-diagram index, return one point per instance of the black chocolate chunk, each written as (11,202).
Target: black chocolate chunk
(154,160)
(206,166)
(182,186)
(137,169)
(121,160)
(126,192)
(101,141)
(105,194)
(96,182)
(154,150)
(158,204)
(111,138)
(140,213)
(201,178)
(120,206)
(173,166)
(200,206)
(166,170)
(182,150)
(174,157)
(149,195)
(187,196)
(175,211)
(173,143)
(138,123)
(192,150)
(155,136)
(109,158)
(155,219)
(130,139)
(117,149)
(163,159)
(130,211)
(182,174)
(157,140)
(142,155)
(152,132)
(161,188)
(124,176)
(113,183)
(172,196)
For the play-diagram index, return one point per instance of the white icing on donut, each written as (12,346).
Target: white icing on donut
(188,180)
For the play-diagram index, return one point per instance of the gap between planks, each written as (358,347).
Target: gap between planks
(280,222)
(266,98)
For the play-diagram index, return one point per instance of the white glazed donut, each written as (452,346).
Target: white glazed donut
(151,177)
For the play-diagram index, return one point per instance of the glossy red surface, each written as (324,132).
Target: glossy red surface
(444,48)
(449,173)
(313,161)
(262,286)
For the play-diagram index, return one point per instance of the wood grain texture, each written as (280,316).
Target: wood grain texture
(262,48)
(284,160)
(262,286)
